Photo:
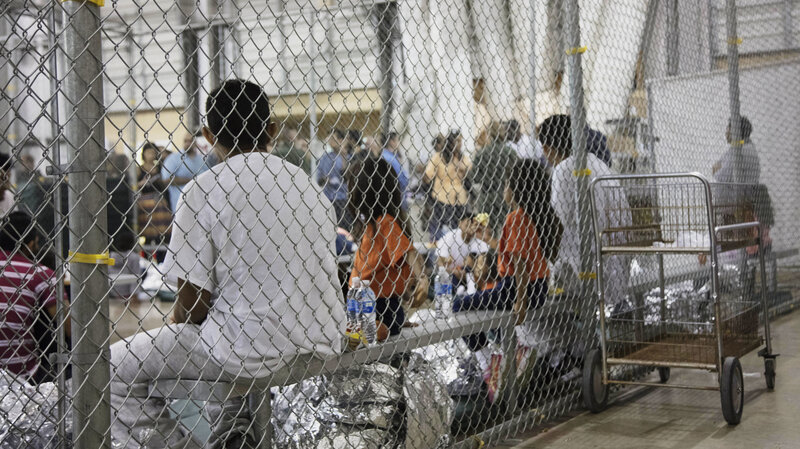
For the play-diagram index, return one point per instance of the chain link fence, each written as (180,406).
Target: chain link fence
(344,223)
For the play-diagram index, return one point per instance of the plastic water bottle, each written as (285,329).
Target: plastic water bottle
(353,305)
(367,313)
(443,290)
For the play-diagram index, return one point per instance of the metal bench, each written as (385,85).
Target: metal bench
(257,393)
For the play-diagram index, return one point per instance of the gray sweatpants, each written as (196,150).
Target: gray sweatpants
(169,352)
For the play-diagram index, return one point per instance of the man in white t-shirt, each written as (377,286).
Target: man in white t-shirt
(555,133)
(453,249)
(526,146)
(253,252)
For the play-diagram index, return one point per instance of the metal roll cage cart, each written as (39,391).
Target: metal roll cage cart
(680,203)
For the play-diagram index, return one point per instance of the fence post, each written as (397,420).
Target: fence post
(733,86)
(575,50)
(190,46)
(83,129)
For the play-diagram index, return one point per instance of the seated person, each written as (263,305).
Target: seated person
(26,288)
(521,262)
(386,256)
(255,289)
(455,246)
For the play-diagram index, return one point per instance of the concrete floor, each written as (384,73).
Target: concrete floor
(671,418)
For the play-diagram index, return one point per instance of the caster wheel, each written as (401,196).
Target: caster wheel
(731,388)
(769,373)
(595,393)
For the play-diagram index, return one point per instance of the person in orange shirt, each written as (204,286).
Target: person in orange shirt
(386,256)
(531,235)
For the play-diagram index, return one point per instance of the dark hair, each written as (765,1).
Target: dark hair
(386,138)
(745,127)
(555,133)
(150,146)
(375,192)
(450,145)
(354,136)
(5,162)
(530,186)
(237,113)
(513,129)
(340,133)
(16,227)
(438,140)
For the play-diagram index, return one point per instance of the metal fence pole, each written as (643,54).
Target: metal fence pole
(574,50)
(532,62)
(59,221)
(673,37)
(83,129)
(733,85)
(386,24)
(190,77)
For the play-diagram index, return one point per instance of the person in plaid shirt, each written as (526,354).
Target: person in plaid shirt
(26,290)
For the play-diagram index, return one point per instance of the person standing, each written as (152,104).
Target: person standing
(612,207)
(391,153)
(488,174)
(154,213)
(181,167)
(446,171)
(725,169)
(255,291)
(288,149)
(330,175)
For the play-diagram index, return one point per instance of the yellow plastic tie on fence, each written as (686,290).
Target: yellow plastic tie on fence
(590,275)
(94,2)
(735,41)
(478,440)
(576,50)
(92,259)
(579,173)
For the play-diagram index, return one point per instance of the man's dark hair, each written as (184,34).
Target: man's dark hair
(16,227)
(555,133)
(238,114)
(513,130)
(450,145)
(745,127)
(386,138)
(530,186)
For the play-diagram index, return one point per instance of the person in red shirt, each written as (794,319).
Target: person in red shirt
(386,257)
(26,289)
(530,236)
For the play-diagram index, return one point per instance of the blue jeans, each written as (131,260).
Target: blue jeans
(444,217)
(502,297)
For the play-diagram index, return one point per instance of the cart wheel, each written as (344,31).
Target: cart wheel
(769,373)
(663,374)
(595,393)
(731,388)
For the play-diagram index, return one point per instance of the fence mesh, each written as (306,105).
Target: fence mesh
(345,223)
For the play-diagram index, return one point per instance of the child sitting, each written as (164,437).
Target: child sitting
(385,256)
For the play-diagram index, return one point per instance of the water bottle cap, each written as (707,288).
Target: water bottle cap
(365,283)
(356,282)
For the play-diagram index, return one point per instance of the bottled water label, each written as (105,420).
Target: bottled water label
(352,305)
(367,306)
(444,289)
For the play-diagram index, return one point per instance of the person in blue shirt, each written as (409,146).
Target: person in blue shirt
(391,153)
(181,167)
(330,173)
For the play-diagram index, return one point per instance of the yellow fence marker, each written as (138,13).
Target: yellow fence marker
(92,259)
